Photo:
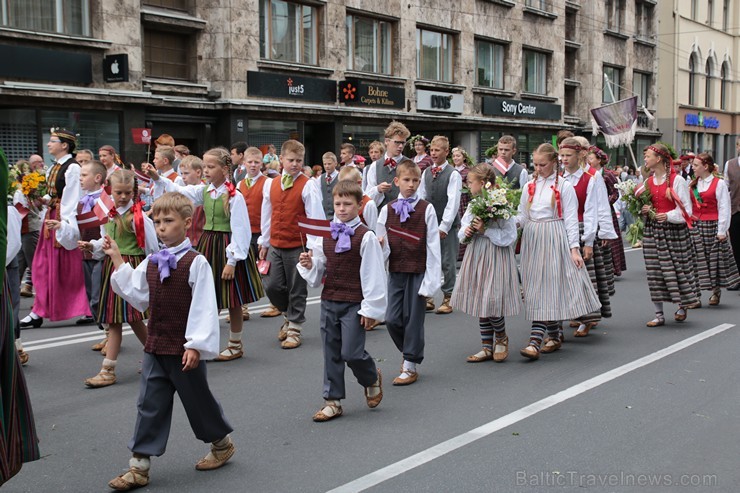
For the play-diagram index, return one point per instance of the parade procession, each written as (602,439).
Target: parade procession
(528,263)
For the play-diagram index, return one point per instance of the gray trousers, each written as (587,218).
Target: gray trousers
(344,342)
(285,288)
(93,278)
(404,317)
(161,377)
(25,256)
(449,248)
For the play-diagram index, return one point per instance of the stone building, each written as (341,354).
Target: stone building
(212,72)
(699,107)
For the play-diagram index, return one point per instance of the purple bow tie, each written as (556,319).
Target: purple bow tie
(342,233)
(88,202)
(403,208)
(166,260)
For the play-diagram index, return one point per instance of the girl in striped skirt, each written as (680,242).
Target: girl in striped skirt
(556,284)
(224,242)
(134,233)
(711,205)
(666,245)
(593,216)
(489,256)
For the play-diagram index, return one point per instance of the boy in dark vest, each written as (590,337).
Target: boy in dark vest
(328,180)
(181,333)
(381,176)
(505,166)
(441,186)
(353,299)
(368,210)
(409,225)
(291,195)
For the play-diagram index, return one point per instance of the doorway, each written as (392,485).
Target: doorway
(318,137)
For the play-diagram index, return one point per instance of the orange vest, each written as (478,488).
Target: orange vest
(287,205)
(253,197)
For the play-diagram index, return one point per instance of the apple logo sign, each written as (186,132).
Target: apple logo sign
(114,67)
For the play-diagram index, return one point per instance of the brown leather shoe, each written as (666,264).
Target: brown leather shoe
(680,317)
(550,345)
(484,354)
(411,376)
(233,351)
(430,304)
(445,307)
(328,412)
(585,330)
(23,357)
(216,457)
(106,377)
(99,345)
(530,352)
(292,339)
(372,402)
(500,349)
(133,478)
(714,299)
(271,312)
(283,332)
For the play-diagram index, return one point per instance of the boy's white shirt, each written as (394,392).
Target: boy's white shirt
(372,272)
(370,215)
(454,190)
(241,231)
(202,328)
(312,203)
(15,223)
(69,234)
(151,245)
(432,281)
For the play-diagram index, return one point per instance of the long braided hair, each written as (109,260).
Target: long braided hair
(224,160)
(551,154)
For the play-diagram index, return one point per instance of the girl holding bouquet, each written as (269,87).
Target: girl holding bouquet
(669,254)
(489,256)
(555,282)
(711,205)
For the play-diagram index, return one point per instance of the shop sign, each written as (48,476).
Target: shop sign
(115,68)
(354,92)
(297,87)
(27,62)
(520,109)
(699,120)
(439,101)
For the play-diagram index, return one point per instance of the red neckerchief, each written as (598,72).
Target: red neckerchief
(139,224)
(391,163)
(230,188)
(436,170)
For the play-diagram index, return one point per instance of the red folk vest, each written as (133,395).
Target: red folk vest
(287,205)
(365,200)
(581,189)
(661,203)
(253,197)
(708,209)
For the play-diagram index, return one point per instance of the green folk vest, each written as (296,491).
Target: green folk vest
(213,209)
(125,239)
(437,193)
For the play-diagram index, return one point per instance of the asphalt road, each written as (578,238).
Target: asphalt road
(626,409)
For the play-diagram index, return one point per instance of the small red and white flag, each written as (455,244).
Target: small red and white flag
(142,135)
(315,227)
(500,165)
(142,177)
(640,190)
(104,206)
(404,234)
(89,220)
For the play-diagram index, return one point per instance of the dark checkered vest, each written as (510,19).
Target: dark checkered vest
(343,270)
(407,255)
(169,306)
(88,234)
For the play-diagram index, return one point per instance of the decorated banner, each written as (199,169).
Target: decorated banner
(142,135)
(617,121)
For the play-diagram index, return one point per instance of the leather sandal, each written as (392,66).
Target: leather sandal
(131,479)
(550,345)
(500,349)
(574,325)
(483,355)
(292,339)
(714,299)
(407,377)
(656,322)
(272,311)
(328,412)
(106,377)
(373,401)
(530,352)
(693,306)
(233,351)
(583,332)
(100,345)
(23,357)
(678,316)
(430,304)
(283,332)
(216,458)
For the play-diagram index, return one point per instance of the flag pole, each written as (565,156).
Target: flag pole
(614,100)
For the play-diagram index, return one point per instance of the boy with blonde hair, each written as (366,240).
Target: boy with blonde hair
(381,176)
(368,210)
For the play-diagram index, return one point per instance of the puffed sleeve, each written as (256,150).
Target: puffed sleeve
(265,216)
(71,194)
(202,328)
(193,192)
(241,231)
(14,225)
(131,285)
(433,275)
(465,221)
(151,244)
(373,279)
(570,212)
(591,212)
(605,223)
(523,213)
(372,184)
(314,275)
(449,214)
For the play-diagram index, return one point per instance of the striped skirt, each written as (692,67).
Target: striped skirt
(601,272)
(488,282)
(670,262)
(246,286)
(464,201)
(617,247)
(554,288)
(112,308)
(18,440)
(714,260)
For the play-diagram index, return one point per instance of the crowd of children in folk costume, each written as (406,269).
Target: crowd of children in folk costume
(393,241)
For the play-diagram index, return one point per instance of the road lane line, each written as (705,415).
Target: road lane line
(96,335)
(443,448)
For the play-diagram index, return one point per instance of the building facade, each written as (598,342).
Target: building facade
(212,72)
(699,107)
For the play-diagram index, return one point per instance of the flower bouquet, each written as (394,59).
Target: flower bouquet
(495,201)
(635,197)
(33,186)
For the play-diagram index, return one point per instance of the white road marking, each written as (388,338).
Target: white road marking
(98,334)
(421,458)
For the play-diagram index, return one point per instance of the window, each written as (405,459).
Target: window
(288,32)
(643,19)
(641,87)
(537,4)
(569,106)
(60,16)
(694,9)
(490,64)
(570,25)
(725,86)
(614,15)
(708,75)
(166,54)
(433,55)
(692,79)
(168,4)
(612,81)
(570,64)
(535,72)
(262,133)
(725,15)
(710,12)
(368,45)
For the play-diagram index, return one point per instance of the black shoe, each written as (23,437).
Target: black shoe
(736,287)
(85,321)
(34,322)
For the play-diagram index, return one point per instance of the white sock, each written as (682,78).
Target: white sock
(18,344)
(408,365)
(235,336)
(140,464)
(222,443)
(110,362)
(374,389)
(28,318)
